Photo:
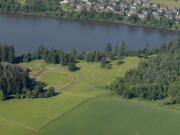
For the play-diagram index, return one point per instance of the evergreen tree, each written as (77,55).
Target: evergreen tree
(103,62)
(72,66)
(122,50)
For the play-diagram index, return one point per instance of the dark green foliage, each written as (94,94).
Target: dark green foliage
(122,50)
(103,62)
(57,57)
(15,82)
(174,92)
(26,57)
(13,79)
(72,66)
(2,95)
(7,54)
(49,92)
(120,61)
(133,18)
(108,66)
(155,78)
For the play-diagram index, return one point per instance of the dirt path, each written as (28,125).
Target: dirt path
(68,83)
(38,75)
(42,72)
(19,124)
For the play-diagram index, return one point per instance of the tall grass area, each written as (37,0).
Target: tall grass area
(23,117)
(111,115)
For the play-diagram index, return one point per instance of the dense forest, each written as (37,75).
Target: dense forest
(7,54)
(155,78)
(16,83)
(52,8)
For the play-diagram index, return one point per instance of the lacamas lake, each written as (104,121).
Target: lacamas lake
(26,33)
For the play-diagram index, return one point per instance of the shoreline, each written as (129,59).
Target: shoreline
(92,20)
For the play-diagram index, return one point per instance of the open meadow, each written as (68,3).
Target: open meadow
(110,115)
(84,106)
(27,116)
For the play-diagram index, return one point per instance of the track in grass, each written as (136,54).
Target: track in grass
(88,83)
(115,116)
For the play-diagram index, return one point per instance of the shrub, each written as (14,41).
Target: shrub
(120,61)
(49,92)
(109,66)
(72,66)
(2,95)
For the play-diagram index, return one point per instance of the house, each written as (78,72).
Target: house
(172,8)
(154,6)
(141,16)
(110,8)
(146,4)
(145,12)
(99,7)
(65,1)
(133,7)
(80,7)
(132,11)
(122,5)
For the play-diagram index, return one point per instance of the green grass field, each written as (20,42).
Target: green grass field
(111,115)
(58,78)
(166,2)
(84,107)
(35,66)
(27,116)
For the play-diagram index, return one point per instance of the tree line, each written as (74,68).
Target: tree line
(55,56)
(16,83)
(157,77)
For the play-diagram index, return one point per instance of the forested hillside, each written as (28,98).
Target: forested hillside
(155,78)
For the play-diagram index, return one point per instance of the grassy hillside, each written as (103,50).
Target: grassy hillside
(27,116)
(115,116)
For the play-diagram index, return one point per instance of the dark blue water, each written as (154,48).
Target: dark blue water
(26,33)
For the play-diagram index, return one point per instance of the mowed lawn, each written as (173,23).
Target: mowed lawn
(23,117)
(110,115)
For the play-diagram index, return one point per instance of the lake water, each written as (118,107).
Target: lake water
(26,33)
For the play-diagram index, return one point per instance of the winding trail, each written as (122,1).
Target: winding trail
(38,77)
(68,84)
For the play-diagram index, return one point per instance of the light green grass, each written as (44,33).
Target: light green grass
(88,83)
(23,2)
(166,2)
(115,116)
(34,66)
(31,65)
(55,78)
